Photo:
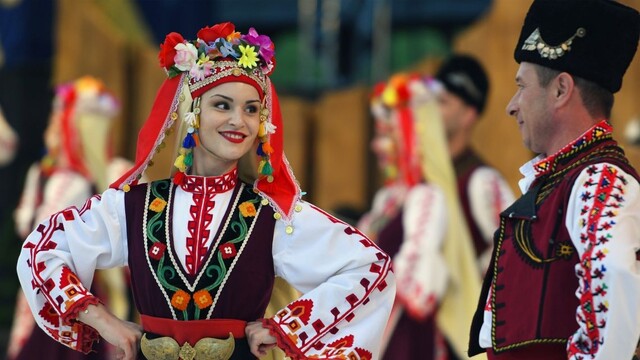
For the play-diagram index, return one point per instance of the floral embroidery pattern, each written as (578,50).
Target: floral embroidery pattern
(180,292)
(602,195)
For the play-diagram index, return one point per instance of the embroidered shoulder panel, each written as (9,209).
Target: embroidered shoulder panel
(195,300)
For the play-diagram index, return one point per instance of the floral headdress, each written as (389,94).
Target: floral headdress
(219,55)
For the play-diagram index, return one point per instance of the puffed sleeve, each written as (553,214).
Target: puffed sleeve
(603,219)
(347,284)
(58,261)
(419,266)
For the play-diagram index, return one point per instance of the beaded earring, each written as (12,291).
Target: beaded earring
(265,149)
(190,141)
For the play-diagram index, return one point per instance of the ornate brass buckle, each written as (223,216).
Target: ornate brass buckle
(166,348)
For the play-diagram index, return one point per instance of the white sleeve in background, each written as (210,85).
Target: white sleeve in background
(489,194)
(347,284)
(25,211)
(603,220)
(59,258)
(64,188)
(420,268)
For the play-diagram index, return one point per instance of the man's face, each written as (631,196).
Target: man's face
(531,106)
(453,110)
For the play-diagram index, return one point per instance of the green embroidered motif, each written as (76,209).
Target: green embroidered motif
(187,298)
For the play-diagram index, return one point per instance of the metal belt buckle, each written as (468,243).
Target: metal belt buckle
(166,348)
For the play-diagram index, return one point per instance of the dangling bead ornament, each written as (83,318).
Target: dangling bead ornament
(190,141)
(265,149)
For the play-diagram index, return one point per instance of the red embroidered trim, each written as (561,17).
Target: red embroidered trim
(600,197)
(87,336)
(198,229)
(283,340)
(209,184)
(72,312)
(601,129)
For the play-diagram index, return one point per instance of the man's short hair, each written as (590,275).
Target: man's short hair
(597,100)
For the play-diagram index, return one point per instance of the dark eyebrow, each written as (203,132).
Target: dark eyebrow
(224,97)
(231,99)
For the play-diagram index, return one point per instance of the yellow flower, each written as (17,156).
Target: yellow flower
(247,209)
(203,59)
(157,205)
(249,56)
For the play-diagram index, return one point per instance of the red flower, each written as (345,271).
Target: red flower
(156,251)
(210,34)
(167,51)
(228,250)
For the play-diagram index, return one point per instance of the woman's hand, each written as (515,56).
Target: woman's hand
(259,338)
(124,335)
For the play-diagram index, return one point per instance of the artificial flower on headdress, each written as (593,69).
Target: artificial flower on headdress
(215,43)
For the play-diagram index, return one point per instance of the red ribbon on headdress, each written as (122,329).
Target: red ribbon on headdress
(152,131)
(283,191)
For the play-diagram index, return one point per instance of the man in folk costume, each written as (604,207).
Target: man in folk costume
(77,164)
(564,281)
(431,248)
(204,247)
(482,190)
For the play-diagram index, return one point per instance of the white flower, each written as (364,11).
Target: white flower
(269,127)
(190,119)
(186,56)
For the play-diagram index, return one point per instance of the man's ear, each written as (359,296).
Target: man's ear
(563,88)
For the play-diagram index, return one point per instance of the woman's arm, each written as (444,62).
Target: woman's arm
(347,283)
(58,260)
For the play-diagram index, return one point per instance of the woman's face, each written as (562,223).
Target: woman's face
(229,122)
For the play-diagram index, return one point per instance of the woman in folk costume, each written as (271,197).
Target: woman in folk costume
(432,252)
(78,163)
(389,198)
(204,247)
(8,141)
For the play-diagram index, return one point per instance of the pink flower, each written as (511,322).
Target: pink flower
(186,56)
(263,41)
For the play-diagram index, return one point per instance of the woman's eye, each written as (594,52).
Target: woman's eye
(222,105)
(252,109)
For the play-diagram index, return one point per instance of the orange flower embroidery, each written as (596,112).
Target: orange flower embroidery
(180,300)
(157,205)
(247,209)
(202,299)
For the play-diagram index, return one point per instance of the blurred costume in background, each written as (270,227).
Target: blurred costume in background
(432,251)
(564,279)
(204,249)
(8,141)
(482,190)
(387,200)
(78,164)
